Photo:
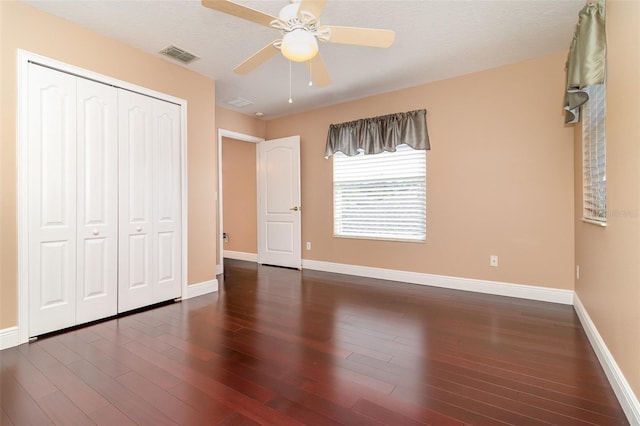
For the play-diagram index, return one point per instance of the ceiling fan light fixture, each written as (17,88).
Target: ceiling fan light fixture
(299,45)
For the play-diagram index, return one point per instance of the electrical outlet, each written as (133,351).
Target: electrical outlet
(493,261)
(308,245)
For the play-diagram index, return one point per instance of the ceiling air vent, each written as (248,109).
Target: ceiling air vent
(179,54)
(239,102)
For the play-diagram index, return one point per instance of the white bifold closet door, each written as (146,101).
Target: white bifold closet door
(72,201)
(150,201)
(104,200)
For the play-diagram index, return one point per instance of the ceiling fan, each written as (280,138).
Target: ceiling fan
(300,27)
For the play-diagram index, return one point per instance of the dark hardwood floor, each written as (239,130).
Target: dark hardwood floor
(278,346)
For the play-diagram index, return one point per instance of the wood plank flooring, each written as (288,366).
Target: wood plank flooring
(283,347)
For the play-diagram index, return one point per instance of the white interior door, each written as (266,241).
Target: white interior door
(150,201)
(51,200)
(279,210)
(97,201)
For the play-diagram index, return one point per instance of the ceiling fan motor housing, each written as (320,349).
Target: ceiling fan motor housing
(289,12)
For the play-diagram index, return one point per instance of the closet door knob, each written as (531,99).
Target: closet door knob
(95,232)
(139,228)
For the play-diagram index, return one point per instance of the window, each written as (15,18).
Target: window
(594,176)
(381,196)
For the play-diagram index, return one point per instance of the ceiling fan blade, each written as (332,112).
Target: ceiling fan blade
(319,73)
(360,36)
(260,57)
(240,11)
(314,7)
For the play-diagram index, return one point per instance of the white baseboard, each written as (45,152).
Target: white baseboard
(544,294)
(8,337)
(238,255)
(199,289)
(624,393)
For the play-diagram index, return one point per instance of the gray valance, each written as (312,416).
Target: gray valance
(378,134)
(586,64)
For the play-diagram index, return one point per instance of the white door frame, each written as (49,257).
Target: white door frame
(223,133)
(23,59)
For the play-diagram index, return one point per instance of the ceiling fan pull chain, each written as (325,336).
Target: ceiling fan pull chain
(290,99)
(310,78)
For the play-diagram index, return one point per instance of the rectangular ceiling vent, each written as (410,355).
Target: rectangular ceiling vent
(179,54)
(239,102)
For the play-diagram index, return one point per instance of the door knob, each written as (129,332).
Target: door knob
(95,232)
(295,208)
(139,228)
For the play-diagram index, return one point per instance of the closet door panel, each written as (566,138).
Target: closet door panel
(97,278)
(168,201)
(51,200)
(137,229)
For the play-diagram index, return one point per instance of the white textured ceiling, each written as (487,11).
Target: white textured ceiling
(434,40)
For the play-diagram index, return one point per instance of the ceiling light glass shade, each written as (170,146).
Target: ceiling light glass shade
(299,46)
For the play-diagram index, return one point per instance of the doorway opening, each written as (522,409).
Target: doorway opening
(231,137)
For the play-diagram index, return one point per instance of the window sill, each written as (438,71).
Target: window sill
(397,240)
(595,222)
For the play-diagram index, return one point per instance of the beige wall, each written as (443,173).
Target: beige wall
(609,258)
(29,29)
(239,195)
(499,177)
(241,123)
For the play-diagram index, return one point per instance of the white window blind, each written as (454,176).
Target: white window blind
(594,176)
(381,196)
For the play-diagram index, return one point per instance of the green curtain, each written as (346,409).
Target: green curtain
(378,134)
(586,65)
